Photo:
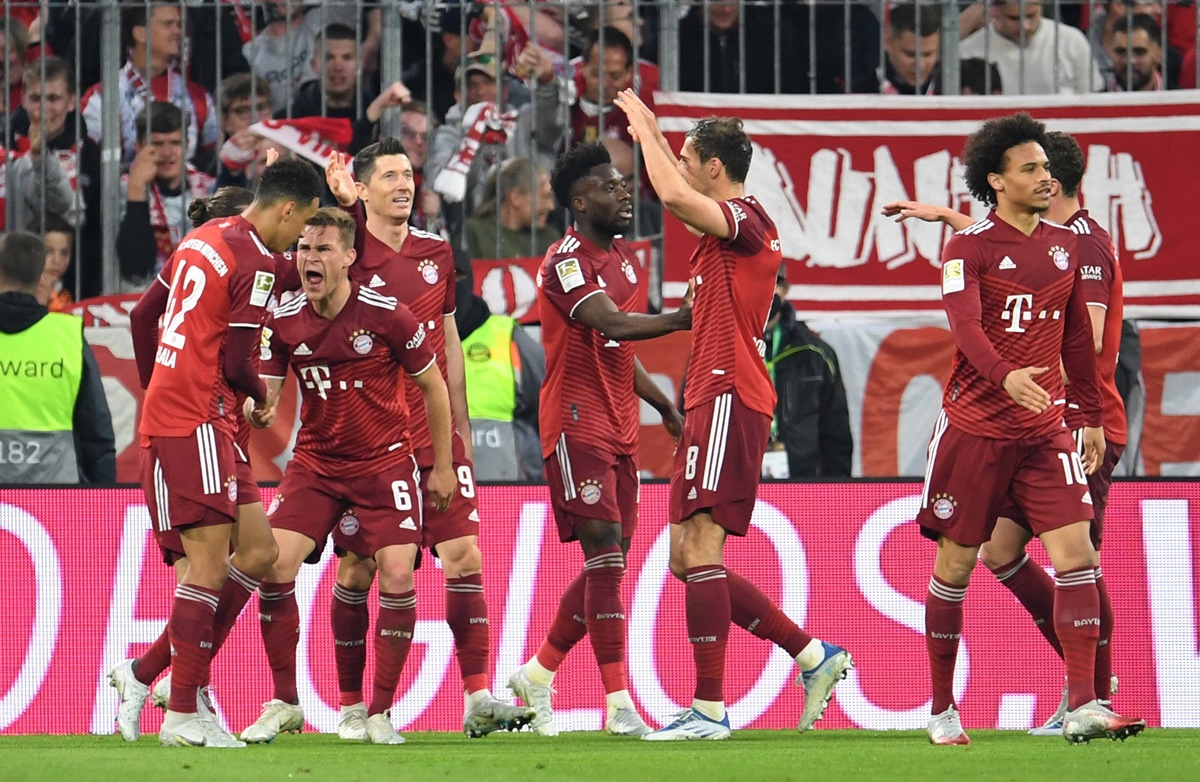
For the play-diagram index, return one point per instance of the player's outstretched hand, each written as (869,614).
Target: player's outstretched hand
(258,417)
(902,210)
(642,123)
(441,487)
(272,157)
(1093,448)
(341,184)
(1021,386)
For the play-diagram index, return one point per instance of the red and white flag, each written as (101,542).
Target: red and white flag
(313,138)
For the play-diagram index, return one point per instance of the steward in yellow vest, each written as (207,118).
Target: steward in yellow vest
(55,425)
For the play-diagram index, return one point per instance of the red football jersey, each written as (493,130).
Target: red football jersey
(222,276)
(588,390)
(351,418)
(1013,302)
(735,283)
(1101,280)
(422,277)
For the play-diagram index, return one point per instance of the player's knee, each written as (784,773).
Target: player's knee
(396,579)
(463,561)
(210,575)
(678,569)
(355,575)
(259,560)
(994,557)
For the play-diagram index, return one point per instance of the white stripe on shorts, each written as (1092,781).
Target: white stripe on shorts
(939,429)
(161,498)
(564,467)
(718,435)
(209,471)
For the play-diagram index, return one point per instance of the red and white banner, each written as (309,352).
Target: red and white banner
(312,138)
(824,166)
(509,285)
(87,589)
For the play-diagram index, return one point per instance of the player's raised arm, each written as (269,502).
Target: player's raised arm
(683,199)
(902,210)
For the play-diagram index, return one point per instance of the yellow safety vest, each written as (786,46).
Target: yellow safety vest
(40,372)
(492,367)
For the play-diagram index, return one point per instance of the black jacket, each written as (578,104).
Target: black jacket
(95,447)
(812,415)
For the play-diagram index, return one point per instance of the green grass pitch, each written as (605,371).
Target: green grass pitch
(754,755)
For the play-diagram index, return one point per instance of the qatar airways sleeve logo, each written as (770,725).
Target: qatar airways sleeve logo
(417,339)
(837,222)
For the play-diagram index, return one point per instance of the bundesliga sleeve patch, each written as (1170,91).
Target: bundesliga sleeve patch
(569,274)
(264,283)
(952,276)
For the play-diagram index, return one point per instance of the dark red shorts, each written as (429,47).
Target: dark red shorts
(588,483)
(188,482)
(248,492)
(461,519)
(1098,484)
(718,462)
(968,480)
(365,513)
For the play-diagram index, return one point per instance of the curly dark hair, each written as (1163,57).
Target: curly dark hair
(573,166)
(226,202)
(724,139)
(986,150)
(1066,161)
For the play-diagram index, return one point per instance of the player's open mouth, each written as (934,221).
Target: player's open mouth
(313,278)
(625,213)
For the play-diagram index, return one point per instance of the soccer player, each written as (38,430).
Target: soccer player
(353,464)
(1010,292)
(589,423)
(728,406)
(418,269)
(1100,277)
(222,278)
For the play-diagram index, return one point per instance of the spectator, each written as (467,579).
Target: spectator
(245,100)
(42,174)
(721,31)
(445,56)
(16,43)
(155,196)
(153,46)
(1137,54)
(977,76)
(812,417)
(282,51)
(55,423)
(1181,27)
(832,35)
(908,57)
(511,221)
(59,239)
(504,372)
(477,135)
(340,46)
(217,31)
(1031,51)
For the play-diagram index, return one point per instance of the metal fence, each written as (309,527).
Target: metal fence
(363,61)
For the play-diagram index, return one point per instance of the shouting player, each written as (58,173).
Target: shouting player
(417,268)
(1101,280)
(346,344)
(1014,306)
(222,278)
(588,297)
(729,403)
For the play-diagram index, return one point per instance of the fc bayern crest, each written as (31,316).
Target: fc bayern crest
(275,504)
(1061,258)
(429,271)
(943,506)
(589,492)
(630,274)
(349,524)
(231,490)
(363,344)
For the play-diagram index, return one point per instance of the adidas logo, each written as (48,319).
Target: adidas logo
(474,516)
(376,282)
(408,523)
(692,494)
(1007,263)
(303,350)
